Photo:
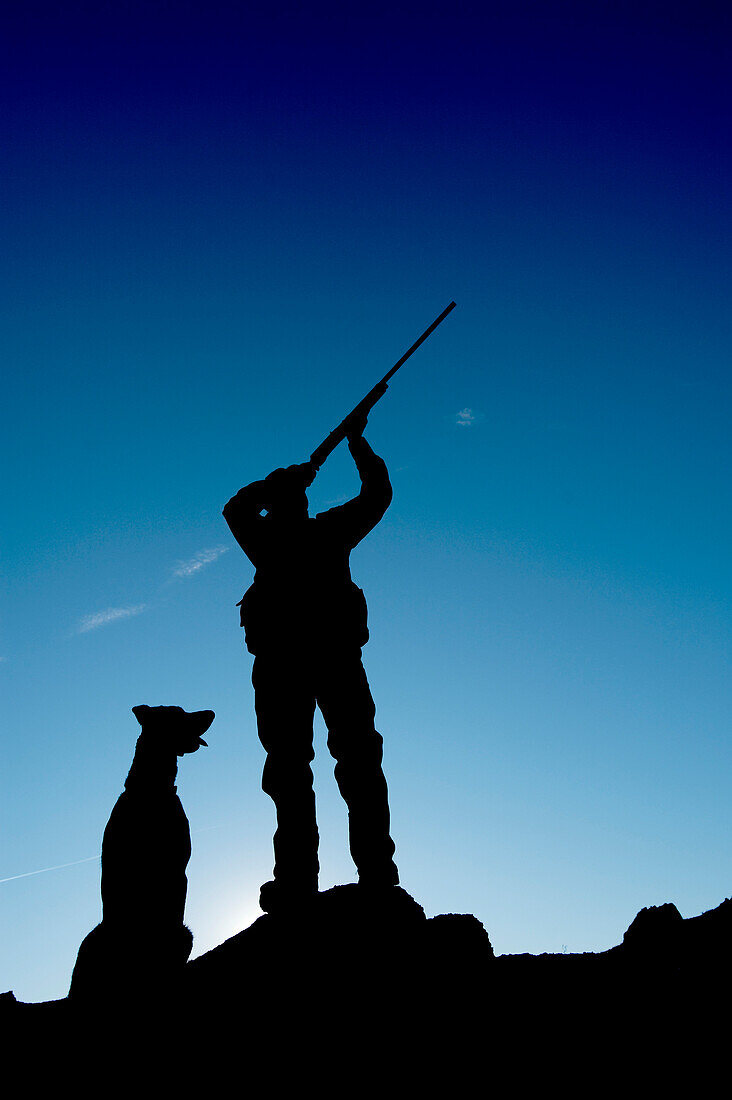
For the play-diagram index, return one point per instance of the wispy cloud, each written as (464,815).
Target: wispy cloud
(101,618)
(203,557)
(467,417)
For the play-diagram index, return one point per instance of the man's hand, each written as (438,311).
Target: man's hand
(286,481)
(308,472)
(291,477)
(355,425)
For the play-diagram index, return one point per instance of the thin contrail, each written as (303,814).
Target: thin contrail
(76,862)
(58,867)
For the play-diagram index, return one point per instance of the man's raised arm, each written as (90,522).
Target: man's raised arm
(360,515)
(243,512)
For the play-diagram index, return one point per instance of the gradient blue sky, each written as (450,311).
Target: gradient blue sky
(219,228)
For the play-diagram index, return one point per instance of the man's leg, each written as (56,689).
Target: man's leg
(345,699)
(285,706)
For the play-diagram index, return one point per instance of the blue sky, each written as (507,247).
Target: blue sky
(220,227)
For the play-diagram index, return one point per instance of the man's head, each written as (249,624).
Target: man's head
(286,497)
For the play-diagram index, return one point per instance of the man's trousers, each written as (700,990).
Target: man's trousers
(287,687)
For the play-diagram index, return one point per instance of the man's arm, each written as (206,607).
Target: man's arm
(360,515)
(243,513)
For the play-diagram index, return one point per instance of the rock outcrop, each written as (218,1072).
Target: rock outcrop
(355,989)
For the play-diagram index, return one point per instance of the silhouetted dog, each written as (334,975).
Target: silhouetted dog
(142,943)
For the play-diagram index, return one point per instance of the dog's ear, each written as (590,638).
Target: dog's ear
(140,712)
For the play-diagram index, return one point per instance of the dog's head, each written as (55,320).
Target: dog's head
(183,729)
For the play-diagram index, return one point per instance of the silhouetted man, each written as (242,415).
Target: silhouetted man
(305,622)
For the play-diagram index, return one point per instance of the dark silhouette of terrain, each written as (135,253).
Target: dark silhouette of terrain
(355,992)
(305,622)
(142,941)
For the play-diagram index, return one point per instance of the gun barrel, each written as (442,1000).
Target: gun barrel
(329,444)
(415,345)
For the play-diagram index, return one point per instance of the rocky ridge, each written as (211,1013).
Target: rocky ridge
(356,974)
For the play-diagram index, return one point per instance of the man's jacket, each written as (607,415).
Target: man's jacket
(302,593)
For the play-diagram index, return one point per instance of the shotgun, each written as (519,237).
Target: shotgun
(364,407)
